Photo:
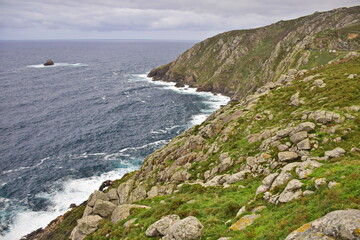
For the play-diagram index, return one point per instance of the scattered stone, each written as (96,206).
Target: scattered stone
(319,83)
(304,144)
(241,211)
(258,209)
(283,147)
(308,192)
(297,137)
(325,117)
(291,192)
(85,226)
(122,212)
(335,153)
(305,126)
(287,156)
(320,182)
(282,179)
(161,227)
(186,229)
(243,222)
(353,150)
(224,238)
(333,184)
(128,224)
(340,224)
(103,208)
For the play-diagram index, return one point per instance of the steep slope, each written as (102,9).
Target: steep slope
(260,167)
(238,62)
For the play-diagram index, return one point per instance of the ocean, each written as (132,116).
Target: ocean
(93,116)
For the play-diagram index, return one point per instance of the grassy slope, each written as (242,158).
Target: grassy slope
(214,206)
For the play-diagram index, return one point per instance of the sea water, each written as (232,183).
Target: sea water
(92,116)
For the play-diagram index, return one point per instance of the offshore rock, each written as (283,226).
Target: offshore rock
(341,224)
(49,62)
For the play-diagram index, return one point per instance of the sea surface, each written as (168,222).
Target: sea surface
(93,116)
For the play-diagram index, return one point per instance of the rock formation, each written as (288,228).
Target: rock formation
(49,62)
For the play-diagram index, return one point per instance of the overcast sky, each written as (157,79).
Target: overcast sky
(147,19)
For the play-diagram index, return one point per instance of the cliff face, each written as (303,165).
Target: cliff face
(238,62)
(262,167)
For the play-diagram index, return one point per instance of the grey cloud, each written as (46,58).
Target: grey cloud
(156,15)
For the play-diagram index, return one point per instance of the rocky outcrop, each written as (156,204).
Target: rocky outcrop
(85,226)
(49,62)
(234,58)
(341,224)
(172,228)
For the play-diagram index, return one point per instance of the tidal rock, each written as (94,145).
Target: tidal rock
(49,62)
(186,229)
(85,226)
(161,227)
(340,224)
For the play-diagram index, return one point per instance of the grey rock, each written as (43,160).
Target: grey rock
(287,156)
(161,227)
(95,196)
(305,126)
(185,229)
(297,137)
(128,224)
(85,226)
(283,147)
(320,182)
(340,224)
(88,211)
(236,177)
(243,222)
(103,208)
(291,192)
(282,179)
(124,190)
(241,211)
(304,144)
(308,192)
(325,117)
(333,184)
(284,132)
(335,153)
(122,212)
(153,192)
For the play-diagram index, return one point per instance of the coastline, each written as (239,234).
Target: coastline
(61,200)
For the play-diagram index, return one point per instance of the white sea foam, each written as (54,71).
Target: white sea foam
(24,168)
(74,191)
(58,65)
(214,101)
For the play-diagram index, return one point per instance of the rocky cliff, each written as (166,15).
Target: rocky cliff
(238,62)
(280,163)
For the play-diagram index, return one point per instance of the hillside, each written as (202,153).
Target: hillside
(238,62)
(283,153)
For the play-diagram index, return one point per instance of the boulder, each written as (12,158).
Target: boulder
(96,195)
(185,229)
(103,208)
(325,117)
(49,62)
(287,156)
(335,153)
(161,227)
(243,222)
(291,192)
(282,179)
(85,226)
(340,224)
(236,177)
(304,144)
(124,190)
(297,137)
(122,212)
(305,126)
(320,182)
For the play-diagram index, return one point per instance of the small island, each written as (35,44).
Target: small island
(49,62)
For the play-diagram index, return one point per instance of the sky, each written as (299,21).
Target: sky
(147,19)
